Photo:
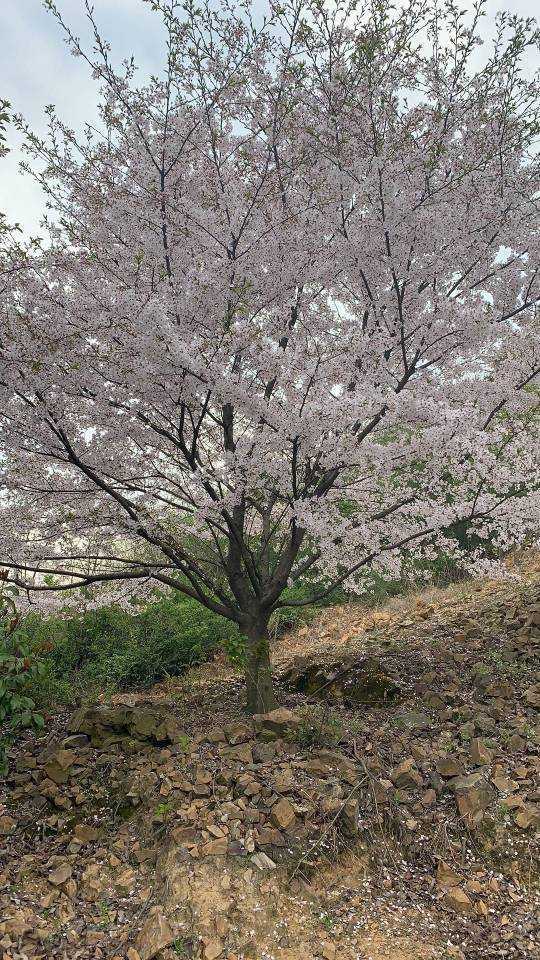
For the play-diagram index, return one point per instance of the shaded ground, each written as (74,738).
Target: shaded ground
(405,829)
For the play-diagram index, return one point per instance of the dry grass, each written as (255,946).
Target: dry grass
(348,627)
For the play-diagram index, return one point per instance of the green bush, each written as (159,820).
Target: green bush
(19,669)
(111,649)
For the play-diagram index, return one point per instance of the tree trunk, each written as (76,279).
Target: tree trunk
(260,690)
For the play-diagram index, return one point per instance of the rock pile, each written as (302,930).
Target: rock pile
(105,725)
(141,833)
(249,789)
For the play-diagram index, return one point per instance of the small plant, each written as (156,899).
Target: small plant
(19,666)
(467,731)
(182,947)
(104,913)
(482,670)
(183,742)
(399,722)
(501,812)
(319,728)
(327,922)
(235,648)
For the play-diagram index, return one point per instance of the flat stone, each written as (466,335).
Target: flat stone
(480,752)
(283,815)
(446,876)
(60,875)
(328,951)
(532,696)
(215,848)
(216,735)
(284,781)
(242,753)
(516,744)
(155,935)
(270,836)
(213,950)
(7,825)
(262,861)
(501,689)
(528,817)
(58,767)
(186,834)
(264,751)
(85,833)
(504,784)
(236,733)
(449,767)
(473,793)
(16,925)
(331,763)
(276,724)
(414,719)
(76,741)
(406,774)
(458,901)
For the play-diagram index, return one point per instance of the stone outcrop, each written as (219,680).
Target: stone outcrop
(355,680)
(107,724)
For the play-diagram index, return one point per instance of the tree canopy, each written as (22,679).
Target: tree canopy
(285,319)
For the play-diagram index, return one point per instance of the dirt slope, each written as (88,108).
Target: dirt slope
(405,828)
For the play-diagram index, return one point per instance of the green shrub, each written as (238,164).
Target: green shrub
(112,649)
(19,668)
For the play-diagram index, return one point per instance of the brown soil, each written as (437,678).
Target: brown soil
(466,659)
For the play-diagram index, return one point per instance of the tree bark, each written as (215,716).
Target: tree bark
(260,689)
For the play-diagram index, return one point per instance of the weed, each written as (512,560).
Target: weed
(20,666)
(327,922)
(318,727)
(182,947)
(398,722)
(104,913)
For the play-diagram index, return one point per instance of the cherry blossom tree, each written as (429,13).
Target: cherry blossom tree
(284,324)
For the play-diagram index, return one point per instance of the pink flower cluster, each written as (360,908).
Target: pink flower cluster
(285,323)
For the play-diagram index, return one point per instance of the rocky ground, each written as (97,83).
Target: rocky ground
(390,809)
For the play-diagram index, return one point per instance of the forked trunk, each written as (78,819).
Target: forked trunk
(260,690)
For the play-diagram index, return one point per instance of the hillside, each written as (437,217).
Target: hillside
(390,809)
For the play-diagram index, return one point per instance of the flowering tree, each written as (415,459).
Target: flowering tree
(285,323)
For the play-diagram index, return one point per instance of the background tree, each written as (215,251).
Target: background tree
(286,316)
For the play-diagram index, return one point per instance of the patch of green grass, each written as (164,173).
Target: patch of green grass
(104,913)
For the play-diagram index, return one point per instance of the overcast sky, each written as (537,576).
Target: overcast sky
(36,69)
